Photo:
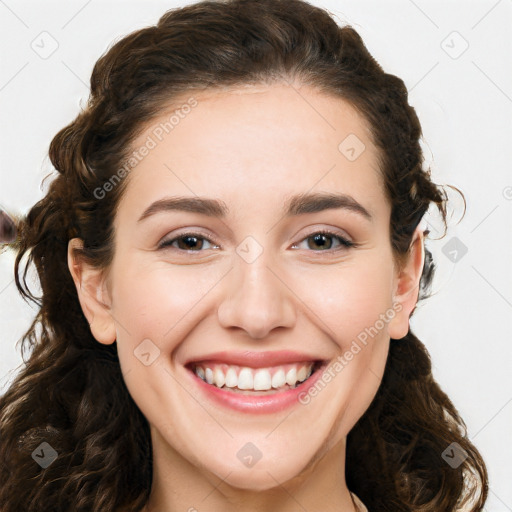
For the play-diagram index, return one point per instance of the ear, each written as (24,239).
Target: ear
(406,286)
(91,288)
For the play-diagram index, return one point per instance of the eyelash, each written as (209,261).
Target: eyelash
(344,243)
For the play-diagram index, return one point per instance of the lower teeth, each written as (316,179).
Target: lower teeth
(254,392)
(260,392)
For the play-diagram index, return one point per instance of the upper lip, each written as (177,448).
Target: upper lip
(255,359)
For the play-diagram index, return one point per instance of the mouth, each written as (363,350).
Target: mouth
(262,381)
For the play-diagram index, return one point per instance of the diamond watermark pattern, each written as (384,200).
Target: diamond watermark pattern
(146,352)
(454,44)
(45,45)
(454,249)
(44,455)
(454,455)
(249,455)
(351,147)
(249,249)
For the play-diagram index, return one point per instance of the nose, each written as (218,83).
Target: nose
(257,299)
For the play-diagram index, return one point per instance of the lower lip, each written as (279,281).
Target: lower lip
(257,404)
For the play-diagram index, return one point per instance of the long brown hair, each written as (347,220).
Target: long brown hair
(71,394)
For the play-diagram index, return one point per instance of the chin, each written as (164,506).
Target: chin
(258,480)
(264,475)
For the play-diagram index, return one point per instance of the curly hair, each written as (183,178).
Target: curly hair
(70,392)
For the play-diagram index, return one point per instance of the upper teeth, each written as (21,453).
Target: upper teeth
(259,379)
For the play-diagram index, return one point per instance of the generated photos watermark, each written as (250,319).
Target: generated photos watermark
(157,135)
(342,361)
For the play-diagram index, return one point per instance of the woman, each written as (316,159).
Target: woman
(229,257)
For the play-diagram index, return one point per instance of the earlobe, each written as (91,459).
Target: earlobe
(407,286)
(91,290)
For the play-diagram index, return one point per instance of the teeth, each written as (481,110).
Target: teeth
(279,379)
(302,374)
(245,379)
(200,372)
(218,377)
(262,379)
(231,378)
(291,377)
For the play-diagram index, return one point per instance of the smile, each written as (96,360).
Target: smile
(254,382)
(248,380)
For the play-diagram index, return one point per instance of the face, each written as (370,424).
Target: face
(281,285)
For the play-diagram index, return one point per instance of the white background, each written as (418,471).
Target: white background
(463,99)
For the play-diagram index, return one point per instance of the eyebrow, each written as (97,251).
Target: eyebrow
(296,205)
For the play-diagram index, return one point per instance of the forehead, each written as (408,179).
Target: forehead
(257,143)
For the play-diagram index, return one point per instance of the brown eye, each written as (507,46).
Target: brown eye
(321,240)
(324,241)
(187,242)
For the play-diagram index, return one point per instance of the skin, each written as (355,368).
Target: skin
(251,148)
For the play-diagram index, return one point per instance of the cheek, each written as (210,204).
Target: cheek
(347,299)
(155,302)
(347,303)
